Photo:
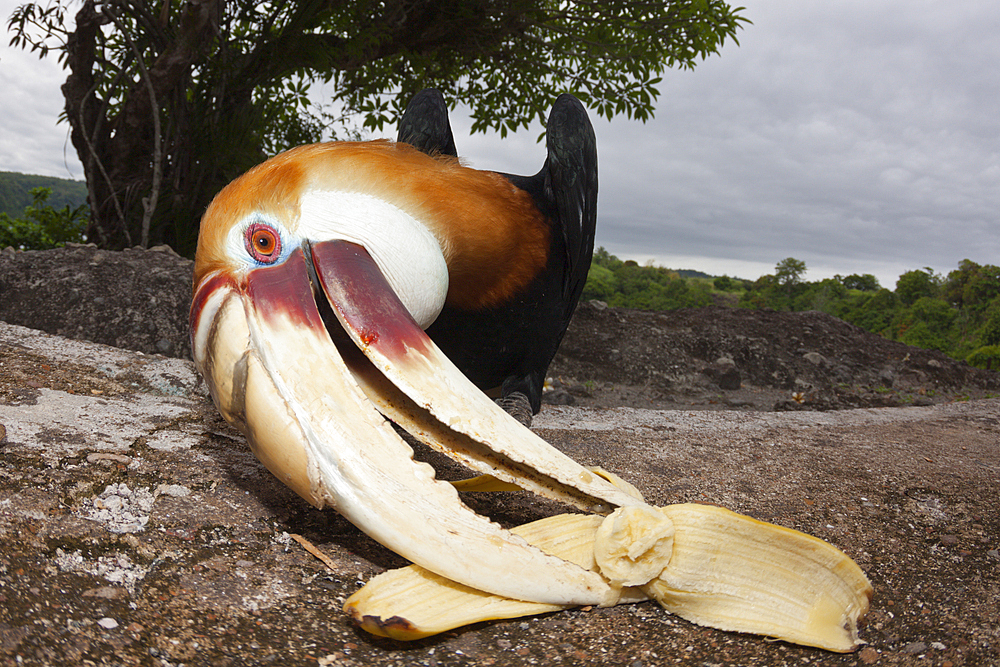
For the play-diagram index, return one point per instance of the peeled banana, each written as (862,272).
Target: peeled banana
(704,563)
(413,602)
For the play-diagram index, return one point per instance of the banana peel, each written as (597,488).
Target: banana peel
(732,572)
(703,563)
(412,602)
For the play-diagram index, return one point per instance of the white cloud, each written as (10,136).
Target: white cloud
(30,140)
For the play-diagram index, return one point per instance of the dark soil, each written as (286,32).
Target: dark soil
(726,358)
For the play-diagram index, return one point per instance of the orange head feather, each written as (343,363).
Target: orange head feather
(494,239)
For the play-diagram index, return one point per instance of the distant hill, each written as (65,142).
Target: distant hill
(15,191)
(691,273)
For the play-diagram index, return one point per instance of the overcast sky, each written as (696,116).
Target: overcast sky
(858,136)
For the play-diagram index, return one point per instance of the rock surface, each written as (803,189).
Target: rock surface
(134,299)
(724,358)
(137,528)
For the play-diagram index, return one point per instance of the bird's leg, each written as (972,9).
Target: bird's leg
(517,405)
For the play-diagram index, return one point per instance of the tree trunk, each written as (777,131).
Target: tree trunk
(115,144)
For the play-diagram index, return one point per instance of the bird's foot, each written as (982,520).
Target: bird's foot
(517,406)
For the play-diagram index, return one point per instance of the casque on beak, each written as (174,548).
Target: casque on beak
(312,409)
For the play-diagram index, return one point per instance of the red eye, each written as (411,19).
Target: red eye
(263,243)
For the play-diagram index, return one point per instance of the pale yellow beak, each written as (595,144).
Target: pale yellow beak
(312,410)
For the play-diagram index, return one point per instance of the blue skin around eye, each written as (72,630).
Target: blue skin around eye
(284,244)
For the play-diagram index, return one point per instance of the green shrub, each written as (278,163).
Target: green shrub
(42,227)
(989,334)
(918,334)
(601,284)
(725,284)
(987,357)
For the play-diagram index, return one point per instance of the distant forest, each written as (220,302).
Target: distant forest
(15,192)
(958,314)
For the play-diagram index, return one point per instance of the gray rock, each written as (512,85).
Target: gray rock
(724,375)
(558,396)
(134,299)
(816,359)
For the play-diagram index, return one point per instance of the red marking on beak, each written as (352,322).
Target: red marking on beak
(285,289)
(364,300)
(202,293)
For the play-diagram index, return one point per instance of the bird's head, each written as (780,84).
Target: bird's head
(330,192)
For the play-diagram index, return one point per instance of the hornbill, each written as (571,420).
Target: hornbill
(315,275)
(508,345)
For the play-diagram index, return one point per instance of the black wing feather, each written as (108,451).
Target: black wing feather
(571,182)
(425,125)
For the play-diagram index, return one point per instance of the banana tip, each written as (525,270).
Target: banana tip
(394,627)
